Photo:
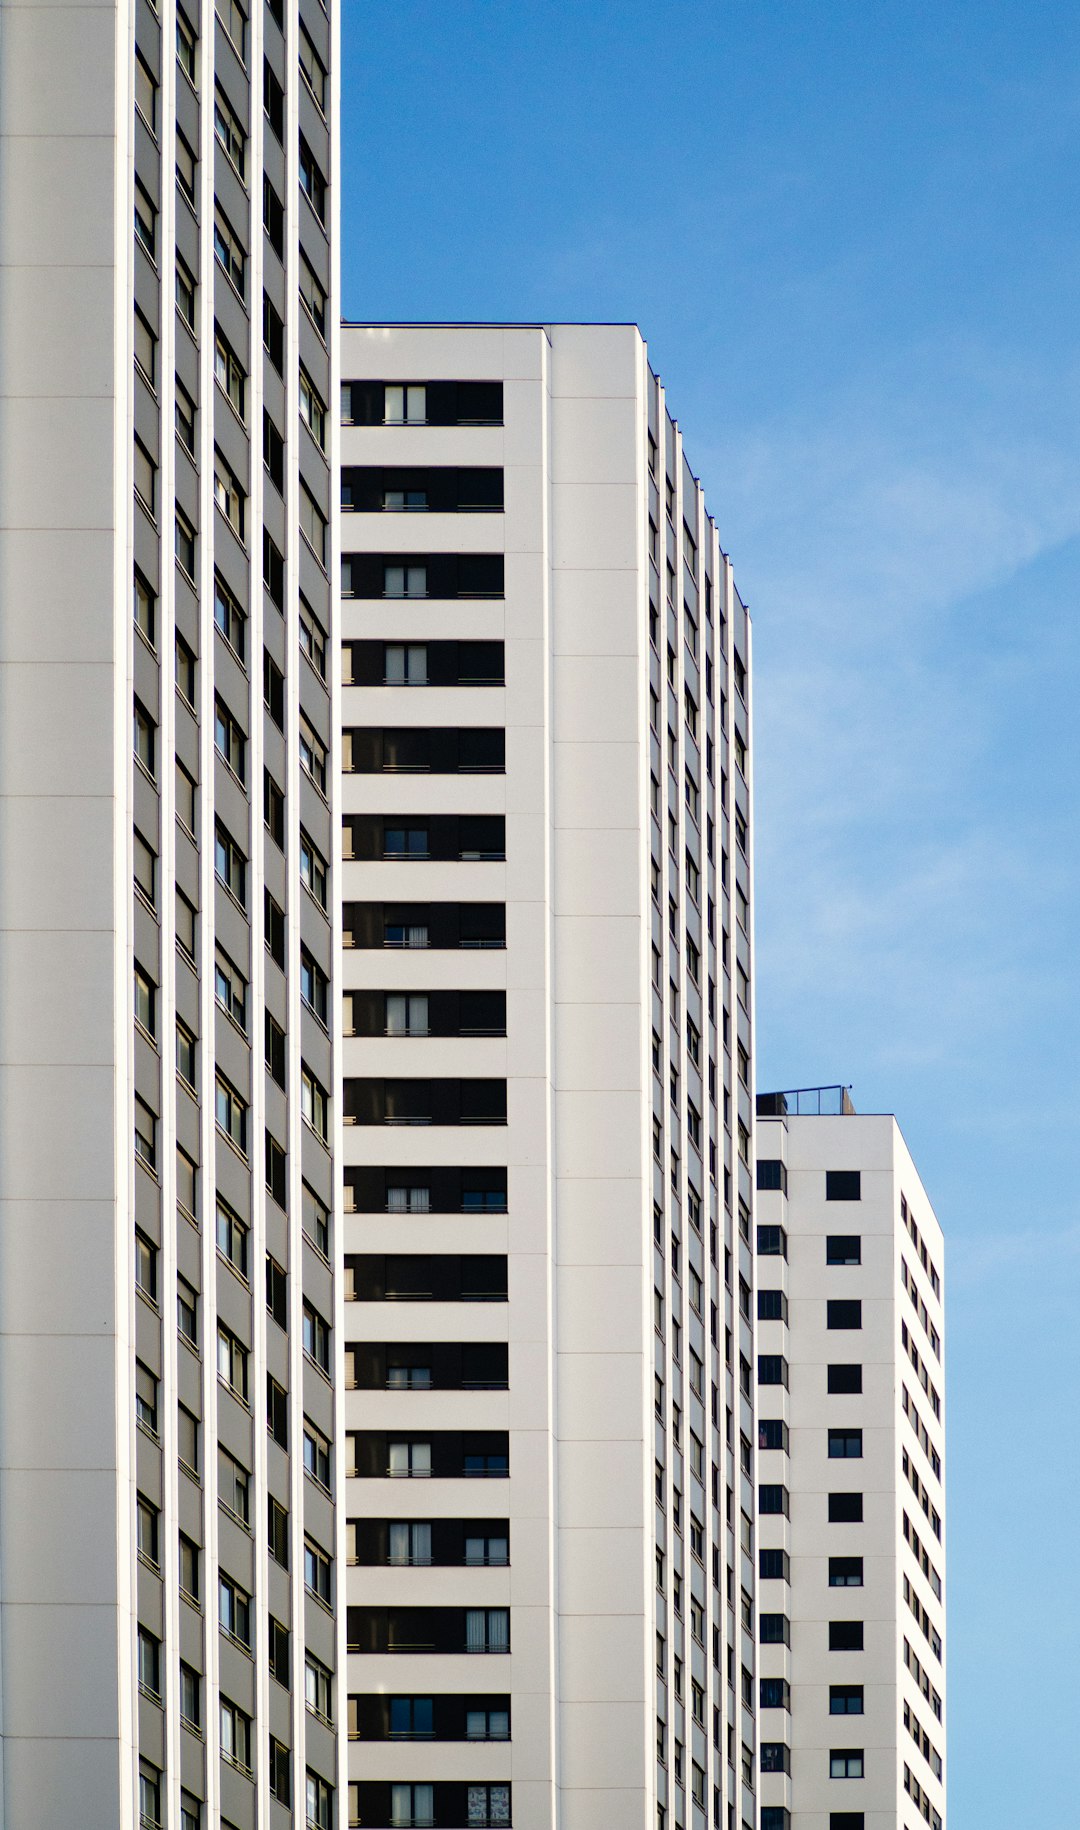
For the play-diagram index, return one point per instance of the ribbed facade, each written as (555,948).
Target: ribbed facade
(170,1329)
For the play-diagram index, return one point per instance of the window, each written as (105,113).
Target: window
(232,1238)
(187,1438)
(772,1369)
(149,1664)
(275,1050)
(232,1363)
(190,1697)
(149,1796)
(280,1772)
(319,1802)
(316,1455)
(312,870)
(234,1611)
(235,1736)
(316,1338)
(145,221)
(230,864)
(145,360)
(189,1567)
(185,544)
(147,1520)
(845,1377)
(405,581)
(313,1103)
(228,495)
(277,1412)
(772,1306)
(234,1487)
(312,295)
(775,1817)
(313,756)
(314,985)
(771,1242)
(774,1630)
(843,1248)
(772,1433)
(234,21)
(145,608)
(187,169)
(313,70)
(273,101)
(146,1398)
(487,1629)
(318,1689)
(312,410)
(229,251)
(277,1531)
(276,1165)
(773,1566)
(231,1113)
(773,1499)
(845,1444)
(186,1054)
(184,291)
(229,372)
(229,134)
(843,1314)
(775,1757)
(185,47)
(312,182)
(845,1699)
(845,1572)
(316,1221)
(316,1571)
(277,1291)
(845,1508)
(230,989)
(145,1002)
(843,1185)
(187,1311)
(312,523)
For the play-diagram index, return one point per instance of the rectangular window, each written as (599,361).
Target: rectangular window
(229,496)
(229,617)
(230,989)
(312,295)
(145,353)
(317,1573)
(312,870)
(235,1730)
(231,1113)
(845,1699)
(184,291)
(312,523)
(771,1242)
(234,22)
(843,1185)
(229,134)
(316,1455)
(845,1572)
(145,607)
(229,252)
(187,169)
(312,181)
(230,865)
(232,1238)
(234,1611)
(145,473)
(843,1248)
(145,221)
(844,1377)
(232,1363)
(313,70)
(845,1508)
(229,373)
(843,1314)
(845,1636)
(185,544)
(234,1487)
(186,42)
(845,1444)
(186,1054)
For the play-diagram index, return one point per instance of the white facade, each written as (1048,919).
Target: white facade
(168,313)
(607,837)
(850,1343)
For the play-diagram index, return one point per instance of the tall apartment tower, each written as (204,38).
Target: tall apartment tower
(168,856)
(851,1466)
(548,1123)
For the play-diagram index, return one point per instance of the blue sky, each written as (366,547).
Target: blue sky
(848,231)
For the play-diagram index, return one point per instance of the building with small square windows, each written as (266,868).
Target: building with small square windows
(851,1472)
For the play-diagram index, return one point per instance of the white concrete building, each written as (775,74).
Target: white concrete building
(547,1060)
(851,1472)
(168,840)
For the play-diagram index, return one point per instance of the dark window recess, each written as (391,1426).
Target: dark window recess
(772,1174)
(843,1248)
(274,923)
(845,1509)
(439,926)
(845,1445)
(441,1190)
(773,1499)
(274,344)
(774,1565)
(416,488)
(845,1636)
(435,1366)
(274,453)
(772,1433)
(843,1185)
(277,1411)
(449,1013)
(439,835)
(416,1277)
(424,663)
(446,575)
(453,1802)
(845,1313)
(775,1757)
(845,1699)
(275,1170)
(273,689)
(278,1650)
(425,1102)
(845,1572)
(774,1629)
(435,1718)
(448,403)
(274,218)
(277,1531)
(772,1369)
(275,1050)
(771,1306)
(771,1242)
(274,809)
(273,101)
(473,750)
(845,1377)
(847,1820)
(273,575)
(277,1292)
(774,1693)
(451,1454)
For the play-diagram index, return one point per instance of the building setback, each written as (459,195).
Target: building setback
(168,850)
(851,1471)
(547,1062)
